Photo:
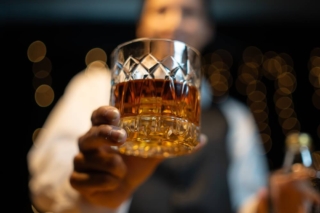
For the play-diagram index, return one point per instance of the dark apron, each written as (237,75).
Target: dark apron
(194,183)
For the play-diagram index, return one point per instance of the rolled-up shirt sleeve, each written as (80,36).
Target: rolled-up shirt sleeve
(50,159)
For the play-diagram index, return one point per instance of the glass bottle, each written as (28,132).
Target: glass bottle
(299,154)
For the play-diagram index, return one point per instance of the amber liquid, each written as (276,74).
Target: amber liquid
(161,117)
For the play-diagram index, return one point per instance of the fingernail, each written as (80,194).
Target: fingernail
(112,114)
(118,135)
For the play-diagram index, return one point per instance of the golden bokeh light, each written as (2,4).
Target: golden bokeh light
(272,68)
(36,82)
(42,68)
(287,59)
(220,89)
(37,50)
(296,129)
(44,95)
(216,69)
(256,86)
(291,124)
(267,142)
(95,54)
(285,91)
(281,120)
(286,83)
(246,78)
(281,61)
(216,66)
(257,107)
(228,76)
(260,116)
(265,127)
(253,71)
(216,78)
(279,94)
(209,69)
(286,80)
(220,78)
(253,56)
(241,86)
(219,65)
(96,65)
(278,110)
(225,56)
(315,61)
(315,71)
(287,113)
(256,96)
(262,126)
(284,103)
(316,98)
(314,77)
(288,68)
(42,74)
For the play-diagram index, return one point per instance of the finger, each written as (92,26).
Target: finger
(100,136)
(105,115)
(100,162)
(308,192)
(93,181)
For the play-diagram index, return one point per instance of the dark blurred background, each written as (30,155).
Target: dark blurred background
(266,54)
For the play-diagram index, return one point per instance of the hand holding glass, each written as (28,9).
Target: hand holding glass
(156,87)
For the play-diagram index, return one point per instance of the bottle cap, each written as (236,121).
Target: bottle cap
(305,140)
(292,142)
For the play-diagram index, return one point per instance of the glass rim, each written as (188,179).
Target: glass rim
(154,39)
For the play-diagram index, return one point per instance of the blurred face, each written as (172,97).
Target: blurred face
(182,20)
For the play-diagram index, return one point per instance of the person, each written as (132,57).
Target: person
(73,167)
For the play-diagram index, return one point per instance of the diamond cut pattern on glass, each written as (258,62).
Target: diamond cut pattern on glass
(149,61)
(169,63)
(139,72)
(150,67)
(175,64)
(159,71)
(178,74)
(129,64)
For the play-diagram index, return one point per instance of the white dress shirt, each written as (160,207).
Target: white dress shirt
(50,160)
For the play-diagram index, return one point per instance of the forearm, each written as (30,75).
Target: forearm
(49,182)
(50,166)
